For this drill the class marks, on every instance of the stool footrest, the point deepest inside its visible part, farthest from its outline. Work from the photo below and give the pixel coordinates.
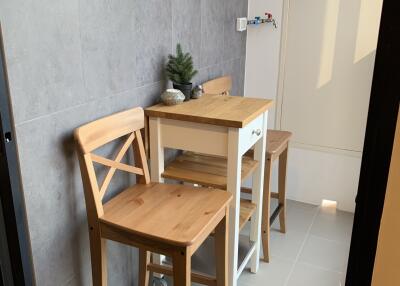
(276, 212)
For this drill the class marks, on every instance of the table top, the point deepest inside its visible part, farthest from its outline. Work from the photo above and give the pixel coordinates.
(222, 110)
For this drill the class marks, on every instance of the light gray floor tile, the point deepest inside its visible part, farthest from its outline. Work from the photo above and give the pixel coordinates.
(299, 217)
(286, 245)
(324, 253)
(274, 273)
(333, 225)
(308, 275)
(313, 252)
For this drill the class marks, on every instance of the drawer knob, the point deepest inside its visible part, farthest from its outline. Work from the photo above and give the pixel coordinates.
(257, 132)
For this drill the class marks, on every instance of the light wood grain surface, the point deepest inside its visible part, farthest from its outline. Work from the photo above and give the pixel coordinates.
(228, 111)
(247, 209)
(221, 85)
(277, 141)
(205, 170)
(173, 213)
(99, 132)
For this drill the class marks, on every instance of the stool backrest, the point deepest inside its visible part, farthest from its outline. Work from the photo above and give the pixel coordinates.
(221, 85)
(98, 133)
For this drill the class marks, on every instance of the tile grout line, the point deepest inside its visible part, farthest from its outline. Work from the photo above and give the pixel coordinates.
(302, 246)
(80, 46)
(92, 100)
(85, 103)
(322, 268)
(69, 279)
(330, 240)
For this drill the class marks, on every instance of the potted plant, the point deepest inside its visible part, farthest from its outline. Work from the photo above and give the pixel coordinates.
(180, 71)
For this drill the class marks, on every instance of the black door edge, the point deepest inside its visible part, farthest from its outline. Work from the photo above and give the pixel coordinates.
(378, 145)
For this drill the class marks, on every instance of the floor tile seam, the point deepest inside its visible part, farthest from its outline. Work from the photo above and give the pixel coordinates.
(302, 247)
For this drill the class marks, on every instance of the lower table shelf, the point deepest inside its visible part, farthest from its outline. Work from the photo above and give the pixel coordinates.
(247, 209)
(205, 170)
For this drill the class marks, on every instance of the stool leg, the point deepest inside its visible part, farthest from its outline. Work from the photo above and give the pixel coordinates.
(221, 250)
(266, 209)
(98, 253)
(144, 260)
(282, 189)
(181, 268)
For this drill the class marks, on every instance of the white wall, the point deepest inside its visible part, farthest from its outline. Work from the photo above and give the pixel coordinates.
(321, 88)
(314, 176)
(262, 53)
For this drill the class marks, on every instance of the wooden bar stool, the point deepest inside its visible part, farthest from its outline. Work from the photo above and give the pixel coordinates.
(173, 220)
(221, 85)
(210, 171)
(277, 148)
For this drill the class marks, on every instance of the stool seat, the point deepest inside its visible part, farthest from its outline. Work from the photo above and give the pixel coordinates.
(276, 139)
(176, 214)
(210, 171)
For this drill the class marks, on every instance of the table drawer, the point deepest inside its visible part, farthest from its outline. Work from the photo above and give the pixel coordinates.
(251, 133)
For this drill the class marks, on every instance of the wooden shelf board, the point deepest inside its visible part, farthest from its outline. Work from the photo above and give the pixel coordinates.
(205, 170)
(247, 209)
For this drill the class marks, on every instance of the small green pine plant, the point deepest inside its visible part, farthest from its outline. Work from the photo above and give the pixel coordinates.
(179, 68)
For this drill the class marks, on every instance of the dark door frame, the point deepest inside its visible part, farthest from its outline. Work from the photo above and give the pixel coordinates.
(15, 249)
(378, 145)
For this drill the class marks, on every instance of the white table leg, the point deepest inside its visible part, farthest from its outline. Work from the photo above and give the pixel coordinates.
(233, 186)
(257, 197)
(156, 167)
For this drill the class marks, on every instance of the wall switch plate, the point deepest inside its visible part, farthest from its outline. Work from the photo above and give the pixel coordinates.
(241, 24)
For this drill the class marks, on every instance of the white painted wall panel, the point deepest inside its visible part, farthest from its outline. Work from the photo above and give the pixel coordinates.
(328, 71)
(262, 53)
(329, 57)
(314, 176)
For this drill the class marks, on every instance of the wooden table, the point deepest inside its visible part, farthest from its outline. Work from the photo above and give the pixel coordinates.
(223, 126)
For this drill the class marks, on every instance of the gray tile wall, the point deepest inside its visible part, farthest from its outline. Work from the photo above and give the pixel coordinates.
(74, 61)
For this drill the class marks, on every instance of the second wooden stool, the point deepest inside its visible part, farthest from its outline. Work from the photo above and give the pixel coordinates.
(277, 148)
